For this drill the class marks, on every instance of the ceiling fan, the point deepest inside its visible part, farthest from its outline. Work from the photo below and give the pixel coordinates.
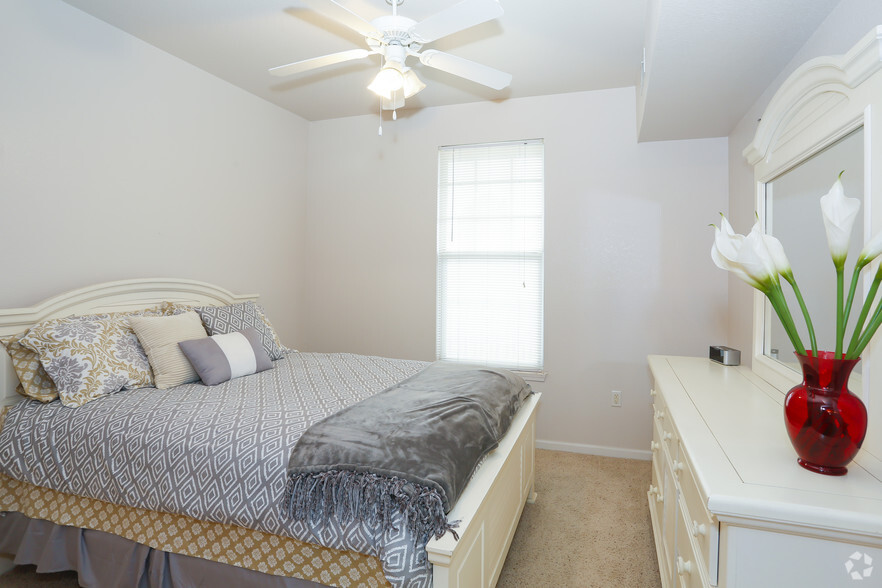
(397, 37)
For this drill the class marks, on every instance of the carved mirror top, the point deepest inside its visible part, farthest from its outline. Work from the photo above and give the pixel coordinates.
(800, 115)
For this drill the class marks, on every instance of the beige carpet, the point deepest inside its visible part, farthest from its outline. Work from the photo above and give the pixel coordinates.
(589, 528)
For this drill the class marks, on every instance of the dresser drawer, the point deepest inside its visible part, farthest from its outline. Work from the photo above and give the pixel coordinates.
(656, 486)
(658, 462)
(656, 498)
(667, 433)
(656, 515)
(657, 400)
(700, 524)
(688, 568)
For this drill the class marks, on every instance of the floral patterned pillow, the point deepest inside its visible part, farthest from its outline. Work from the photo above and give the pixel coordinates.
(34, 381)
(90, 356)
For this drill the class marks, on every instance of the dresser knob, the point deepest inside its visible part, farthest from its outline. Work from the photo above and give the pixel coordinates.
(659, 414)
(652, 392)
(698, 529)
(667, 436)
(653, 445)
(683, 567)
(679, 467)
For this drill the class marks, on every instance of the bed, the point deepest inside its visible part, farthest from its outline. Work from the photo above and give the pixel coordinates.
(193, 544)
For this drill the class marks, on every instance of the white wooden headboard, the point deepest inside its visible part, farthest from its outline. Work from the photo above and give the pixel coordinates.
(107, 297)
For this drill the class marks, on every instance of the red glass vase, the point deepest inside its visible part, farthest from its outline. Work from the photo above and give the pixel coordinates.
(825, 421)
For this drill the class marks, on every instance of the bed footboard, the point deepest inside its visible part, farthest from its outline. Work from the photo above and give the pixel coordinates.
(489, 508)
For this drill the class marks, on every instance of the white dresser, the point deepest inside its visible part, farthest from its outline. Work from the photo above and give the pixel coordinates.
(730, 506)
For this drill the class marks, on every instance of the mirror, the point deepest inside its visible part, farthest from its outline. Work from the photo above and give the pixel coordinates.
(824, 118)
(793, 215)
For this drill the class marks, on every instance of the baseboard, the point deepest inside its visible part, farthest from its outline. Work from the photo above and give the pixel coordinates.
(595, 450)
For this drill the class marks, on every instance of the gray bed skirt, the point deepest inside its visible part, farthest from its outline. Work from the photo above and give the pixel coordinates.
(105, 560)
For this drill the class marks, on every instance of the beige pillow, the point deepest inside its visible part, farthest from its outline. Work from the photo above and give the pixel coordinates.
(35, 382)
(159, 336)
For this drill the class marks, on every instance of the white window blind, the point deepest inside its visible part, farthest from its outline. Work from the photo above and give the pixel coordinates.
(491, 249)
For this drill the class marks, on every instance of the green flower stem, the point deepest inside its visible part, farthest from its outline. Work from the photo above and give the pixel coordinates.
(862, 317)
(868, 334)
(805, 313)
(776, 297)
(850, 300)
(840, 324)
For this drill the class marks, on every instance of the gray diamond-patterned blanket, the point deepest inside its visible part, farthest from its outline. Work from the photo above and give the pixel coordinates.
(214, 453)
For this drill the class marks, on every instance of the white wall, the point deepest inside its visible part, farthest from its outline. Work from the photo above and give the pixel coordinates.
(848, 23)
(628, 269)
(118, 160)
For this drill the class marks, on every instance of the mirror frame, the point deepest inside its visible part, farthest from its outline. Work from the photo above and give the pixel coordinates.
(820, 103)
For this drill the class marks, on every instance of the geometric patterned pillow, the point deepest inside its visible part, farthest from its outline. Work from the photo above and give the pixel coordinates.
(34, 381)
(178, 308)
(269, 326)
(220, 320)
(90, 356)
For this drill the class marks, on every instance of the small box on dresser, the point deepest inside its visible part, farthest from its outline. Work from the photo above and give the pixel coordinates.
(730, 507)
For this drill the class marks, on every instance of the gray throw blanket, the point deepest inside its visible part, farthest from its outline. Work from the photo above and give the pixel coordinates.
(411, 448)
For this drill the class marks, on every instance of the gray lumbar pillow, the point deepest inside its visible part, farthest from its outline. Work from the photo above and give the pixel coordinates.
(223, 357)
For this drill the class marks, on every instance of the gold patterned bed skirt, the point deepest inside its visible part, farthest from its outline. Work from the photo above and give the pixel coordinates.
(229, 544)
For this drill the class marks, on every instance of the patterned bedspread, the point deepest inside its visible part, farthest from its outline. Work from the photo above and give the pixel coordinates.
(212, 453)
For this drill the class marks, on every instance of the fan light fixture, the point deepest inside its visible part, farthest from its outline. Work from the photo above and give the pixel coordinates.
(394, 80)
(387, 81)
(412, 84)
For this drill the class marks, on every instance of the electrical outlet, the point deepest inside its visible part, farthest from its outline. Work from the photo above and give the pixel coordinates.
(616, 398)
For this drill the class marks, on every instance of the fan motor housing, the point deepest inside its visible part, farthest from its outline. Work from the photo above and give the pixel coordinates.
(395, 29)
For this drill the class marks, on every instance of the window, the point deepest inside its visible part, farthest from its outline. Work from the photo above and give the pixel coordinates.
(491, 249)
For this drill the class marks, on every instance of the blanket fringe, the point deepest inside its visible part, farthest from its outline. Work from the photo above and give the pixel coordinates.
(363, 496)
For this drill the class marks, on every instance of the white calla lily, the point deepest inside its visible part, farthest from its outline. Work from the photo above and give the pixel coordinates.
(746, 257)
(727, 240)
(751, 259)
(779, 258)
(755, 258)
(839, 212)
(871, 250)
(729, 265)
(724, 252)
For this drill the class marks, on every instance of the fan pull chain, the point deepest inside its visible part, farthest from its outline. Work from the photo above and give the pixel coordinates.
(380, 132)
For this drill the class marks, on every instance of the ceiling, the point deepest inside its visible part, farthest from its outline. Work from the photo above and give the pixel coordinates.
(708, 60)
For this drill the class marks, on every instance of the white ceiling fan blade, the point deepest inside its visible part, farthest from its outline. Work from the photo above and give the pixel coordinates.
(317, 62)
(464, 68)
(344, 16)
(458, 17)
